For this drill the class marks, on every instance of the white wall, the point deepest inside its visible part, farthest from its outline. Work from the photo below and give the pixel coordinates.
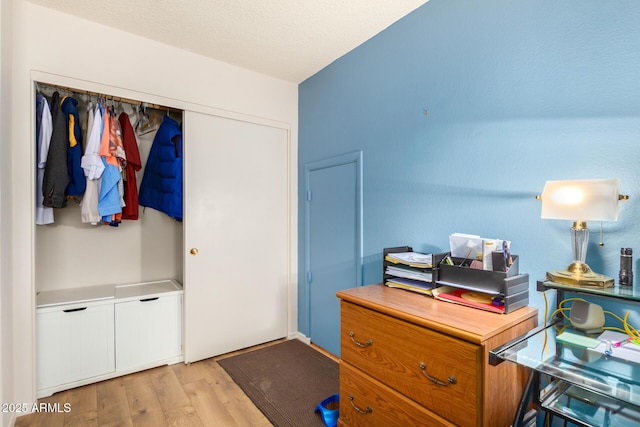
(72, 50)
(6, 333)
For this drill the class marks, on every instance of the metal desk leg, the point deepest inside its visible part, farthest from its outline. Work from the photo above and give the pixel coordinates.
(518, 421)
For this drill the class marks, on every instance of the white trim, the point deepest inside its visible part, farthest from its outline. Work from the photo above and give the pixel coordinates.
(300, 337)
(76, 83)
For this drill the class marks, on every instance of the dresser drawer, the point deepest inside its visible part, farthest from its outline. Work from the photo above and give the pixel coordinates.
(437, 371)
(368, 403)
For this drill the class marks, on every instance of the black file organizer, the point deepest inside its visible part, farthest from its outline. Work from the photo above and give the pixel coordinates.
(512, 285)
(436, 258)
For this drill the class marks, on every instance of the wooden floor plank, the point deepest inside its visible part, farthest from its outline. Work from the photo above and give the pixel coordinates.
(84, 419)
(211, 410)
(113, 407)
(188, 373)
(233, 397)
(83, 403)
(184, 416)
(149, 419)
(144, 406)
(168, 389)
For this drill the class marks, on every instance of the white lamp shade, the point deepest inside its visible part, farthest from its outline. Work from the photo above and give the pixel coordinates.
(581, 200)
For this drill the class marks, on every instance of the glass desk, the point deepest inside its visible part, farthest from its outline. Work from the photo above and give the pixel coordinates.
(579, 384)
(619, 292)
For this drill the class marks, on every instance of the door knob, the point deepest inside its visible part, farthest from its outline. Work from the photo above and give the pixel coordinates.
(194, 251)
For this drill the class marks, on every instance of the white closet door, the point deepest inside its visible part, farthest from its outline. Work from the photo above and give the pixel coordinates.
(236, 218)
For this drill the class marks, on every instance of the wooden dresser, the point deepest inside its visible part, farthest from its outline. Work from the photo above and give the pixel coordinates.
(410, 360)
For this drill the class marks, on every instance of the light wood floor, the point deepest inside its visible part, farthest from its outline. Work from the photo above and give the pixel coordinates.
(198, 394)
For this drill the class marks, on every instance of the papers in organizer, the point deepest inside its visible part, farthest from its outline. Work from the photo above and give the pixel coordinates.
(465, 245)
(412, 259)
(409, 273)
(410, 285)
(471, 246)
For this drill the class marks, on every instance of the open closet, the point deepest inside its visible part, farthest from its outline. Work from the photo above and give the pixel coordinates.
(108, 284)
(71, 253)
(117, 296)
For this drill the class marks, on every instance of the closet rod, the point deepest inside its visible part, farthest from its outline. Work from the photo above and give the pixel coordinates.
(110, 97)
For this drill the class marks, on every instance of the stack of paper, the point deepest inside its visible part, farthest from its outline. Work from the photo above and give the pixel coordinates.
(410, 271)
(410, 285)
(412, 259)
(471, 246)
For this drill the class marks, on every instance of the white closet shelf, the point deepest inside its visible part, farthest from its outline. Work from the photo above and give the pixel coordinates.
(146, 289)
(74, 295)
(105, 292)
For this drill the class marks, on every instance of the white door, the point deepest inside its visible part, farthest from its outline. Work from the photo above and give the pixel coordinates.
(236, 223)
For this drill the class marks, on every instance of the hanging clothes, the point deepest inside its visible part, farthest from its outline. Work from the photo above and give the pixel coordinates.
(91, 161)
(130, 144)
(161, 186)
(113, 157)
(56, 175)
(44, 215)
(93, 167)
(77, 182)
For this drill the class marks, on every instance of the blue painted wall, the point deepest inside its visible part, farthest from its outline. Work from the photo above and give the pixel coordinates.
(517, 93)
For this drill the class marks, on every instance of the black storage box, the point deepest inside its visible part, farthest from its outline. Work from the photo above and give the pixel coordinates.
(435, 259)
(512, 285)
(491, 282)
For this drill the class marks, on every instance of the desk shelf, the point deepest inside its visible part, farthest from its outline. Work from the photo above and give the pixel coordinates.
(618, 292)
(578, 384)
(585, 408)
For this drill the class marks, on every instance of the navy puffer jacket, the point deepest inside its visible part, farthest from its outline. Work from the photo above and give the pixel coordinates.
(77, 181)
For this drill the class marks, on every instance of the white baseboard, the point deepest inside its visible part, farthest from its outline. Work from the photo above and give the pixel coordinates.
(299, 336)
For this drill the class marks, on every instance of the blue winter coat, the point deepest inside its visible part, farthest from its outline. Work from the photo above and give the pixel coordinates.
(77, 181)
(161, 186)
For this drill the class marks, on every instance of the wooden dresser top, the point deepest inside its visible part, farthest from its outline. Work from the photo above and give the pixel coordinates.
(467, 323)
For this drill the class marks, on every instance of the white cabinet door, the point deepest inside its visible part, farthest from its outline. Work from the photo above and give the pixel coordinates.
(148, 331)
(74, 342)
(237, 219)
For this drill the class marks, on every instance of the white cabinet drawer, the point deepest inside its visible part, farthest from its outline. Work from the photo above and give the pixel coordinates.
(148, 330)
(91, 334)
(74, 341)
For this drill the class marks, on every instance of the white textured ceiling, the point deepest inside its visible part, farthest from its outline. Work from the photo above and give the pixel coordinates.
(286, 39)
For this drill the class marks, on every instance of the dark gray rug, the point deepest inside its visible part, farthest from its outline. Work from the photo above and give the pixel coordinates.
(286, 381)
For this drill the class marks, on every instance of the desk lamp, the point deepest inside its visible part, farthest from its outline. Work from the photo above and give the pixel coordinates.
(581, 201)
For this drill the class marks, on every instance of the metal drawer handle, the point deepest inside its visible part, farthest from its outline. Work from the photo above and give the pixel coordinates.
(359, 344)
(149, 299)
(362, 411)
(73, 310)
(452, 379)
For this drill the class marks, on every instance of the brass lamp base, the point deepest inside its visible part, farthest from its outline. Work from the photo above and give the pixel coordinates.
(580, 274)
